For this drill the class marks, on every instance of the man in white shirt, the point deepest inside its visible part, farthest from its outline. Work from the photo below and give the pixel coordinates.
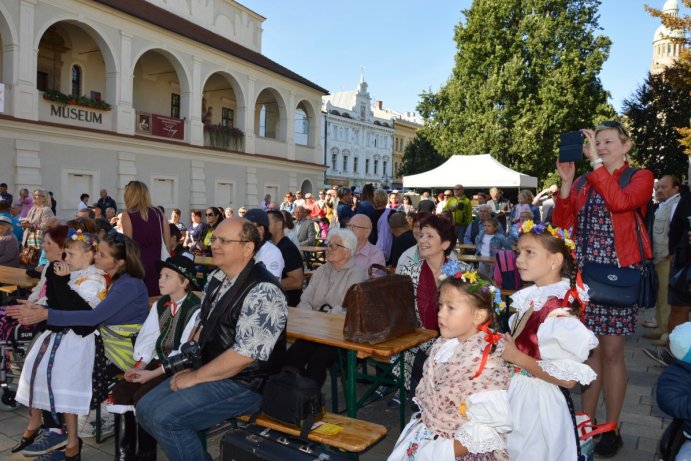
(268, 253)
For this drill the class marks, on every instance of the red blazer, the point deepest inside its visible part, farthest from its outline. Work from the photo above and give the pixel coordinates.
(622, 203)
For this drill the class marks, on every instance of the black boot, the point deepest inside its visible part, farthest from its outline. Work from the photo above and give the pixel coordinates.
(146, 448)
(125, 436)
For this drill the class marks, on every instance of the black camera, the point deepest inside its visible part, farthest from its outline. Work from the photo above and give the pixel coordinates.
(190, 356)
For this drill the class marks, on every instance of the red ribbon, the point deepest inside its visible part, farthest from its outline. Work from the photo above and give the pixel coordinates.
(173, 307)
(491, 339)
(574, 292)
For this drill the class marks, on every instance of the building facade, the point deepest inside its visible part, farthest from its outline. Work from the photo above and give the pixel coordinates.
(173, 93)
(358, 144)
(667, 44)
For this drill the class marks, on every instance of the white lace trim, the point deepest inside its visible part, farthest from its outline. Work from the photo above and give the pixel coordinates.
(568, 370)
(479, 446)
(522, 299)
(120, 409)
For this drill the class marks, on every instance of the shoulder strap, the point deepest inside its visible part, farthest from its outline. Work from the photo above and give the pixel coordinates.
(581, 182)
(626, 176)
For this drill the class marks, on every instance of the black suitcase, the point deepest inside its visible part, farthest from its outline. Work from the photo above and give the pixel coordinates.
(250, 442)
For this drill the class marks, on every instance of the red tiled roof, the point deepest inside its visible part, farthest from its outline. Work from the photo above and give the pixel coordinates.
(157, 16)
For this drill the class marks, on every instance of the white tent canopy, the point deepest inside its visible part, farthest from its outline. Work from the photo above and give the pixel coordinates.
(472, 171)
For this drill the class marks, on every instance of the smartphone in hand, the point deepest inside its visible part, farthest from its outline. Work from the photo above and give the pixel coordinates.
(571, 147)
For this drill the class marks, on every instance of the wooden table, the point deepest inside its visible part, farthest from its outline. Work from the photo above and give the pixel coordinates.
(204, 260)
(324, 328)
(463, 247)
(16, 276)
(475, 258)
(313, 254)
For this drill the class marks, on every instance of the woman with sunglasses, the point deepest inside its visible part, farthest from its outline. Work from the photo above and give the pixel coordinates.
(325, 293)
(213, 219)
(601, 212)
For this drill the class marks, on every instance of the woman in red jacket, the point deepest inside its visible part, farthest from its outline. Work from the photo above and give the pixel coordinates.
(608, 214)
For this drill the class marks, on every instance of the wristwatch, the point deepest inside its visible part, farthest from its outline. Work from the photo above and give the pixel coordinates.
(595, 162)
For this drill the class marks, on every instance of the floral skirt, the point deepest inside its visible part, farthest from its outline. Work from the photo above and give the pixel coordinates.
(610, 321)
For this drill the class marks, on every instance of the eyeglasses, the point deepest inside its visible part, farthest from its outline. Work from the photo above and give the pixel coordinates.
(614, 124)
(334, 246)
(210, 214)
(223, 241)
(447, 195)
(355, 226)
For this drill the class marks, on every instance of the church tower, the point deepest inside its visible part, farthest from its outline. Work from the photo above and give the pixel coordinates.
(667, 44)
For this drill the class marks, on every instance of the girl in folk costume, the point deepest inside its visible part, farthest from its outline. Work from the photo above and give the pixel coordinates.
(547, 345)
(464, 410)
(169, 324)
(57, 374)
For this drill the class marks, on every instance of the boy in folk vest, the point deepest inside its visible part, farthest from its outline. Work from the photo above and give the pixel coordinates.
(170, 324)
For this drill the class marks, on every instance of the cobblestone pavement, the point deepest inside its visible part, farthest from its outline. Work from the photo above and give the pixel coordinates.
(642, 422)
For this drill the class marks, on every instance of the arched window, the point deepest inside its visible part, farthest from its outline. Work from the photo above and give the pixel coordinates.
(76, 80)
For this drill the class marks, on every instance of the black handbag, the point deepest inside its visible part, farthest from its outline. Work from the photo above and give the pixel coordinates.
(611, 285)
(293, 399)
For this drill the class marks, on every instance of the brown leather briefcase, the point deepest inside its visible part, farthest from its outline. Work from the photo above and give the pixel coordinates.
(379, 308)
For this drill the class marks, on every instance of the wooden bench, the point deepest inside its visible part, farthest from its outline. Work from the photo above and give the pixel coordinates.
(355, 437)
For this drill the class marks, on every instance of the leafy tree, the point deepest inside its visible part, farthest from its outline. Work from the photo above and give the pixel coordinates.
(525, 71)
(683, 77)
(655, 113)
(419, 156)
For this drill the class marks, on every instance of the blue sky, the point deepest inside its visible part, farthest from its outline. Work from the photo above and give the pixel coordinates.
(407, 46)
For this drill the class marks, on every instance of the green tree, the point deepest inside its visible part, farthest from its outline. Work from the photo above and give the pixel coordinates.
(660, 106)
(419, 156)
(525, 71)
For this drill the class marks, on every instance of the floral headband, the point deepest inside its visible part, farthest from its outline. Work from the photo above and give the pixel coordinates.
(454, 270)
(89, 239)
(556, 232)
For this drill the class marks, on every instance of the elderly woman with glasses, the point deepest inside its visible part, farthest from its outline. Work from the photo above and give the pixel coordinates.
(607, 225)
(35, 220)
(325, 293)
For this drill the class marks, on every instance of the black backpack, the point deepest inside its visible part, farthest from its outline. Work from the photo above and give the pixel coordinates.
(624, 180)
(293, 399)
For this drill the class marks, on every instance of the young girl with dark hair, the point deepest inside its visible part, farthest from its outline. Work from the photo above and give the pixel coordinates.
(547, 346)
(119, 315)
(464, 410)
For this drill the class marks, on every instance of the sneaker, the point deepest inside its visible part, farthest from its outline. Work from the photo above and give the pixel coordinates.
(609, 444)
(395, 402)
(659, 354)
(48, 441)
(57, 455)
(381, 392)
(86, 425)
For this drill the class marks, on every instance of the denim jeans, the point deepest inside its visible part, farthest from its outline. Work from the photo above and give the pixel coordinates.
(173, 418)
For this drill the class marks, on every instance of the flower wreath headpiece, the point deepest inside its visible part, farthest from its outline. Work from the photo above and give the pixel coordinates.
(454, 270)
(89, 239)
(556, 232)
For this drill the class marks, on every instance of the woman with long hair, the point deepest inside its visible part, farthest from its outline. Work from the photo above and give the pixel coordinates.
(146, 225)
(124, 309)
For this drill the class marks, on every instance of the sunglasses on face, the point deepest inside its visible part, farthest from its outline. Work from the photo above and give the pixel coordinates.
(210, 214)
(615, 124)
